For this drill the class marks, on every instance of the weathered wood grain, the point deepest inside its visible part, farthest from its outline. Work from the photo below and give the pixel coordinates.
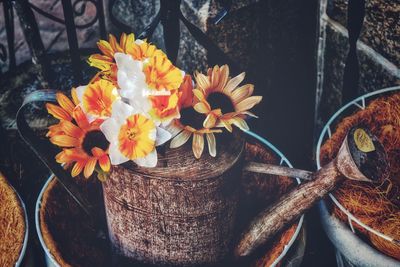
(181, 212)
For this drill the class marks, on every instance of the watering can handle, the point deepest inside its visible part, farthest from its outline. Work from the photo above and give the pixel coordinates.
(266, 168)
(287, 208)
(45, 151)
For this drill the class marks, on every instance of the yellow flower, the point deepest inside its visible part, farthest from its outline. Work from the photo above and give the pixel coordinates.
(161, 74)
(222, 101)
(164, 108)
(83, 143)
(137, 137)
(97, 98)
(139, 50)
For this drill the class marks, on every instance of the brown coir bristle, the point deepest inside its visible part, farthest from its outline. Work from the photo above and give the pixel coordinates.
(12, 224)
(389, 227)
(377, 205)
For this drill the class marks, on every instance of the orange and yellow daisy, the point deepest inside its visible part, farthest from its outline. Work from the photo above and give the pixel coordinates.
(191, 124)
(83, 143)
(222, 101)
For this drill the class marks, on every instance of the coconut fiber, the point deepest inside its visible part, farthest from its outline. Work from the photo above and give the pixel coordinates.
(12, 224)
(376, 205)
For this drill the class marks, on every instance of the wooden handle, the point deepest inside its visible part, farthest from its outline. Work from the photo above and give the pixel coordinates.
(278, 170)
(287, 209)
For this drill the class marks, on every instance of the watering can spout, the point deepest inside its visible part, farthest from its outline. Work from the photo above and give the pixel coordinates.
(361, 157)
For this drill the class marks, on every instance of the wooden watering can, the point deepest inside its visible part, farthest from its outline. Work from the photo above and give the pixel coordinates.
(182, 212)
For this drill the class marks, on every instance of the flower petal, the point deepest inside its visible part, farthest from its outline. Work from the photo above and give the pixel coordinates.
(80, 118)
(173, 128)
(127, 63)
(233, 83)
(241, 123)
(121, 111)
(180, 139)
(71, 129)
(97, 152)
(198, 94)
(250, 114)
(65, 102)
(223, 77)
(248, 103)
(80, 90)
(202, 107)
(116, 157)
(242, 92)
(74, 96)
(202, 81)
(104, 163)
(149, 161)
(210, 120)
(89, 167)
(78, 167)
(212, 146)
(64, 141)
(226, 124)
(162, 136)
(57, 112)
(198, 145)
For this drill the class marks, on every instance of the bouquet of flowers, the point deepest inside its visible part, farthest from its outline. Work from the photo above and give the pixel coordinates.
(137, 101)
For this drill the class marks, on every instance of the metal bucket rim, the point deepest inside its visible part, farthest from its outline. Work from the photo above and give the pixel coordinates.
(37, 221)
(300, 223)
(283, 159)
(326, 131)
(25, 243)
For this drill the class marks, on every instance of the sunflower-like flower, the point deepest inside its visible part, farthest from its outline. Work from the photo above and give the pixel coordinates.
(97, 98)
(222, 101)
(138, 49)
(132, 136)
(83, 143)
(191, 124)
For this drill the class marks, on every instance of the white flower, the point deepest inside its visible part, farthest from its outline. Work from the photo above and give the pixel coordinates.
(132, 82)
(132, 136)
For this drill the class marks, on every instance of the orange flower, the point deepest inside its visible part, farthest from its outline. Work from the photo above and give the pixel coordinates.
(162, 74)
(82, 142)
(97, 98)
(222, 101)
(64, 109)
(164, 107)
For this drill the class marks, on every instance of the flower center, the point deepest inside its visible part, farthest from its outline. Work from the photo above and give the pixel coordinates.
(131, 133)
(190, 117)
(222, 101)
(93, 139)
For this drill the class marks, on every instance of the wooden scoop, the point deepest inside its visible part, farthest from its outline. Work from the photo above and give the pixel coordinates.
(361, 157)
